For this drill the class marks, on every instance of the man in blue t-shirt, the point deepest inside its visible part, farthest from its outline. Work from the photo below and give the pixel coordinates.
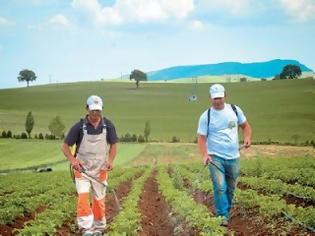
(219, 146)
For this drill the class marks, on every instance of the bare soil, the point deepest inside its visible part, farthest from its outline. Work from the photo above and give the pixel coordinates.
(18, 222)
(155, 212)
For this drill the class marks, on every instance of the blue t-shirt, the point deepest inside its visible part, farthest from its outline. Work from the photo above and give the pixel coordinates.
(222, 132)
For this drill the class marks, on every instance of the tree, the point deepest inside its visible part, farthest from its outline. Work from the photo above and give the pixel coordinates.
(26, 75)
(29, 123)
(290, 72)
(147, 131)
(138, 76)
(56, 127)
(243, 79)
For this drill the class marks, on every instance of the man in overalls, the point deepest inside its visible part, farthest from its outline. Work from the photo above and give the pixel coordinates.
(95, 138)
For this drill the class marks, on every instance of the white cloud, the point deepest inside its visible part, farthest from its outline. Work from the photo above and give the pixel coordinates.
(57, 21)
(4, 21)
(100, 15)
(300, 10)
(196, 25)
(135, 10)
(60, 19)
(231, 7)
(36, 2)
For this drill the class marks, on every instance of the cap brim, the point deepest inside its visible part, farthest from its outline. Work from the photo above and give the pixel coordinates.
(217, 95)
(95, 107)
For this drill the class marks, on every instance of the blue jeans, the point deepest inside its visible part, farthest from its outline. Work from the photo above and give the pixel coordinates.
(223, 185)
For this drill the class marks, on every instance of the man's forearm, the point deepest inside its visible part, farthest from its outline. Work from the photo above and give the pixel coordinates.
(112, 152)
(202, 145)
(67, 152)
(247, 131)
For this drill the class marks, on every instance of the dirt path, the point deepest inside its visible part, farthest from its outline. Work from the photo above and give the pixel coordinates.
(277, 151)
(169, 153)
(155, 219)
(111, 207)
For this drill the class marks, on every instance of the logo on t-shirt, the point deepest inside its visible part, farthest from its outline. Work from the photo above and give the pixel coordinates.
(231, 124)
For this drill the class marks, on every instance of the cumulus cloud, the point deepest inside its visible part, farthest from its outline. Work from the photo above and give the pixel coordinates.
(4, 21)
(124, 11)
(59, 19)
(100, 15)
(196, 25)
(301, 10)
(237, 8)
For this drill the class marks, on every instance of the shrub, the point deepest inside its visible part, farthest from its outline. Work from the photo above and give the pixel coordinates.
(9, 134)
(40, 136)
(195, 140)
(23, 135)
(141, 139)
(3, 134)
(134, 138)
(147, 131)
(127, 137)
(175, 139)
(56, 127)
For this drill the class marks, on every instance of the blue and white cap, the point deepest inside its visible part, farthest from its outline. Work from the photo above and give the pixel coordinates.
(217, 91)
(94, 103)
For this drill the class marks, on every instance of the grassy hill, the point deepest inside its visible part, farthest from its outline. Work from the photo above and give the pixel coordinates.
(277, 110)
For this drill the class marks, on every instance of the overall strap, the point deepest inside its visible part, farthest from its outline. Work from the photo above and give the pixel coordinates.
(234, 109)
(84, 127)
(208, 115)
(104, 126)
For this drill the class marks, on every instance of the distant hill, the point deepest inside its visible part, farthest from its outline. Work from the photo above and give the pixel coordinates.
(255, 70)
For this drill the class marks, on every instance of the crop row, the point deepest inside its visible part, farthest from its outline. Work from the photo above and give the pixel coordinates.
(196, 215)
(270, 207)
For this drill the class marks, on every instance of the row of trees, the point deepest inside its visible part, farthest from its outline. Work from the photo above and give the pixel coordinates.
(56, 126)
(141, 138)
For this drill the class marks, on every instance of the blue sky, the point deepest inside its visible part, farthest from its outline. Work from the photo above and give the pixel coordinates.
(79, 40)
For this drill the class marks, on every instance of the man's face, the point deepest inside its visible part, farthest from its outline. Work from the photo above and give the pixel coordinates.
(95, 114)
(218, 103)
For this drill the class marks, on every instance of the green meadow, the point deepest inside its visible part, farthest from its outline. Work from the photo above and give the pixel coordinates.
(28, 153)
(277, 110)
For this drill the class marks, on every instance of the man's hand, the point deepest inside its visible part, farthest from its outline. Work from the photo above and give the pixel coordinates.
(247, 142)
(109, 166)
(76, 164)
(207, 159)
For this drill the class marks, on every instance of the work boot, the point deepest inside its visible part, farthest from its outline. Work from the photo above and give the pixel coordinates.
(224, 222)
(97, 233)
(87, 233)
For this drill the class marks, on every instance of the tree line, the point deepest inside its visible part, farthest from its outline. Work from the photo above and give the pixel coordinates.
(55, 126)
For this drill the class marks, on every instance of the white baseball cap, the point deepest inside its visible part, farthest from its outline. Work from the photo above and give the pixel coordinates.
(217, 91)
(94, 103)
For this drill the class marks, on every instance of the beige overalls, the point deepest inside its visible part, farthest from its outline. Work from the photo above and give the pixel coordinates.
(93, 154)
